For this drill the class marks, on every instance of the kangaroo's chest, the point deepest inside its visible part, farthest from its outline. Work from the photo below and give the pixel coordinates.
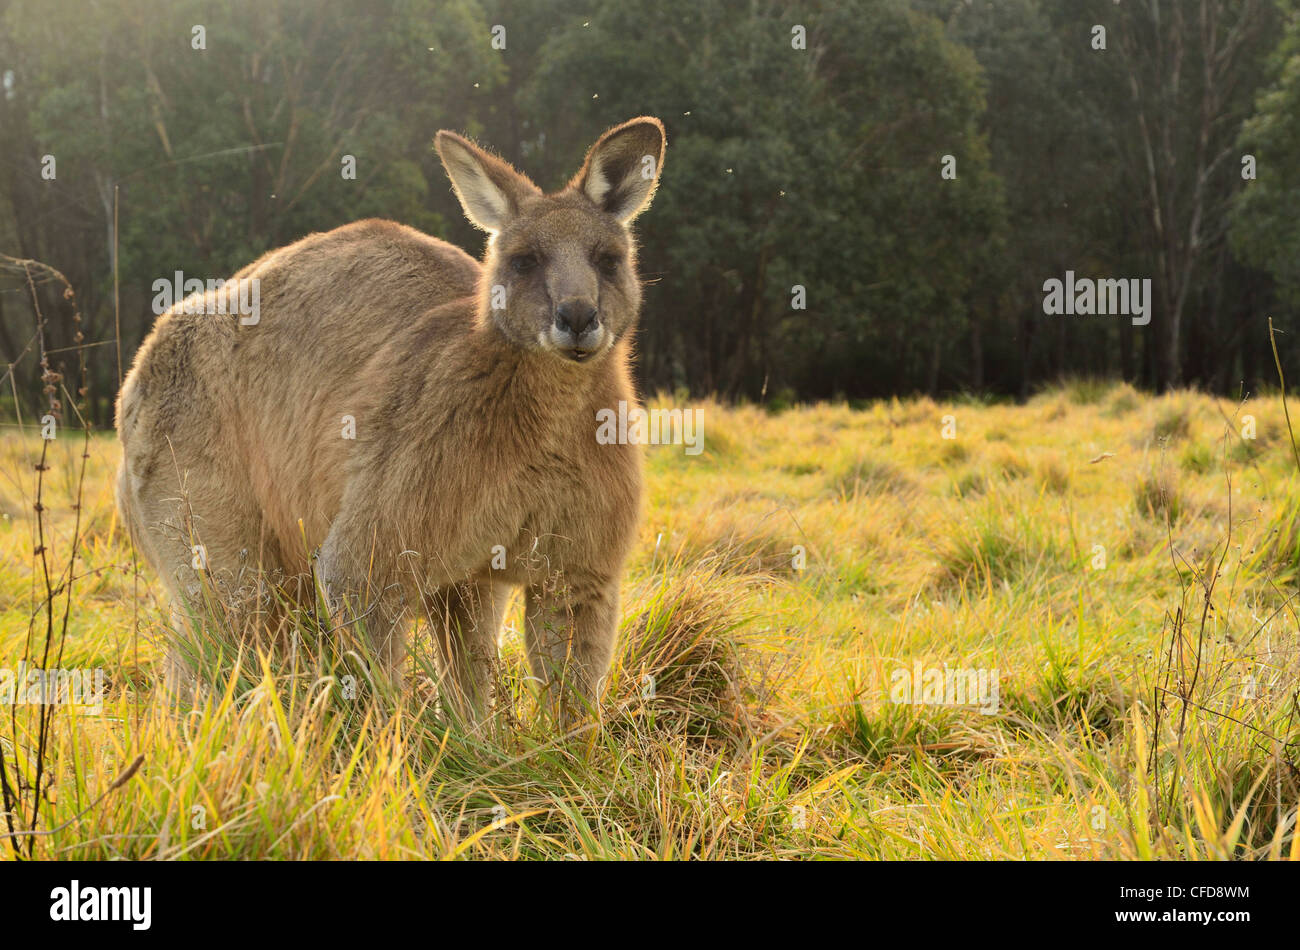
(551, 496)
(519, 509)
(559, 511)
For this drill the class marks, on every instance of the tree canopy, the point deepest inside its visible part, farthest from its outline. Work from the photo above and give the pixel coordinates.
(860, 197)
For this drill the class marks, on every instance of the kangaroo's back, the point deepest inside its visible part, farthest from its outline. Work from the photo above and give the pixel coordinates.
(254, 416)
(367, 277)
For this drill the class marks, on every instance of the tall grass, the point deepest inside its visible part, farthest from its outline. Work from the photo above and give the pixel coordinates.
(1147, 659)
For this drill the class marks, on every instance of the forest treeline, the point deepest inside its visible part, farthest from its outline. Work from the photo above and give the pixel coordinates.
(860, 197)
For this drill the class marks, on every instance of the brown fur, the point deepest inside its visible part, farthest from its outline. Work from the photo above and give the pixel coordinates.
(475, 427)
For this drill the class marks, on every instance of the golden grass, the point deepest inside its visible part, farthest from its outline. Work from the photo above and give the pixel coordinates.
(783, 576)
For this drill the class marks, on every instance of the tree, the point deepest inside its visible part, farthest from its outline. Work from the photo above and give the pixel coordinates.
(1266, 216)
(1184, 65)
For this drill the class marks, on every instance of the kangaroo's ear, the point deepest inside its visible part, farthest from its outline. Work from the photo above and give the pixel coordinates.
(489, 189)
(622, 169)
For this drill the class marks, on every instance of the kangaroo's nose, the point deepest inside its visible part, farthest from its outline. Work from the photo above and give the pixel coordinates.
(575, 316)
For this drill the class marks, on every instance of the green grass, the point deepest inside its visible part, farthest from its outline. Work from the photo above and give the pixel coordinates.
(782, 578)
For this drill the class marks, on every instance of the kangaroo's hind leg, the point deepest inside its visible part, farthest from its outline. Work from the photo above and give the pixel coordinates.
(465, 620)
(202, 534)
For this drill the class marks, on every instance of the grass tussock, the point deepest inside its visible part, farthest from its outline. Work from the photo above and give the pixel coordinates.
(682, 670)
(1173, 424)
(996, 547)
(868, 475)
(1123, 399)
(1088, 391)
(1157, 495)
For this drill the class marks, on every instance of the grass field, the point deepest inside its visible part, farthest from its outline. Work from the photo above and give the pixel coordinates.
(1066, 546)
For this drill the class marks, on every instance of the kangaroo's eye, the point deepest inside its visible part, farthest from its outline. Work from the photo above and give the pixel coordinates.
(523, 263)
(608, 264)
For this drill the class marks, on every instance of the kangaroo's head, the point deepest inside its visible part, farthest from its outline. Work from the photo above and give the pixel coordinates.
(561, 268)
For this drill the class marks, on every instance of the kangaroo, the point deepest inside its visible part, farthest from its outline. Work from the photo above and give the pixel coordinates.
(420, 423)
